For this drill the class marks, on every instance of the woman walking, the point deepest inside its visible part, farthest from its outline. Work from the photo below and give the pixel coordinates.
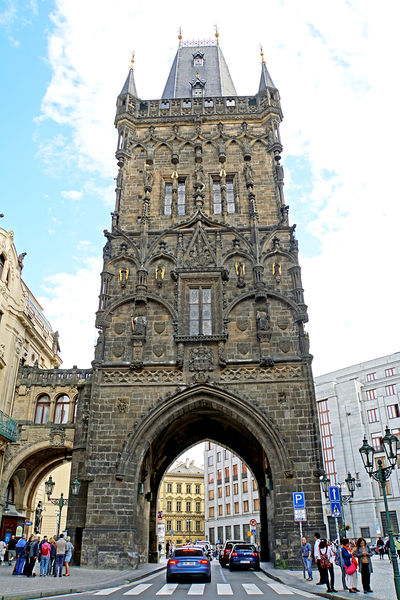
(364, 554)
(350, 565)
(380, 544)
(326, 563)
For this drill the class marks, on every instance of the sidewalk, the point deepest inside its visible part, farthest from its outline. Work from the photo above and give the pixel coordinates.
(80, 580)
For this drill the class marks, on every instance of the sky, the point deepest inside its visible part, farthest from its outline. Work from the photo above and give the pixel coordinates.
(64, 63)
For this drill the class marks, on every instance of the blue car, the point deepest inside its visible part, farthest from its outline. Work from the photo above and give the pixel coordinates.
(188, 562)
(244, 556)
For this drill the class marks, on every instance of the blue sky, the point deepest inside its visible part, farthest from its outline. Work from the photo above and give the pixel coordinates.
(64, 63)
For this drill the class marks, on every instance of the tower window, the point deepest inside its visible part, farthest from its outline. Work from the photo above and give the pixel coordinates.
(230, 196)
(197, 91)
(217, 197)
(200, 317)
(198, 61)
(168, 199)
(42, 410)
(181, 197)
(62, 410)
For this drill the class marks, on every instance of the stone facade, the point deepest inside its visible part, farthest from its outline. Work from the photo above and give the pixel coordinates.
(201, 325)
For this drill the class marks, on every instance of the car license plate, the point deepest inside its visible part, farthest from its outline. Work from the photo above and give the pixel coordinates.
(188, 564)
(245, 561)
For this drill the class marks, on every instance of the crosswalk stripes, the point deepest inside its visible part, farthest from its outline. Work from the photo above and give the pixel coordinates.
(167, 589)
(224, 589)
(196, 589)
(107, 591)
(301, 593)
(251, 589)
(280, 589)
(142, 587)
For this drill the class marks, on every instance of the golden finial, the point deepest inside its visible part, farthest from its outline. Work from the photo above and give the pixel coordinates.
(216, 34)
(180, 36)
(262, 54)
(132, 60)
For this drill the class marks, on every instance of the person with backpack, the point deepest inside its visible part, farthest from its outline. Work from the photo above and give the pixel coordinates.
(45, 558)
(327, 556)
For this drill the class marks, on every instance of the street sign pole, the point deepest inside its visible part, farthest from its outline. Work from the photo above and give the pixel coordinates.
(301, 543)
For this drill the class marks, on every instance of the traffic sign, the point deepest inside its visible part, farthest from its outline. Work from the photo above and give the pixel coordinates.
(335, 509)
(253, 523)
(27, 523)
(334, 493)
(300, 515)
(299, 500)
(254, 532)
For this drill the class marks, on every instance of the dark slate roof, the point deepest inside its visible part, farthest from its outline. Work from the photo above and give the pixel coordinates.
(129, 85)
(214, 73)
(265, 80)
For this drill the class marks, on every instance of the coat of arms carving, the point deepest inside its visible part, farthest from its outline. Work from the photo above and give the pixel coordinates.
(201, 359)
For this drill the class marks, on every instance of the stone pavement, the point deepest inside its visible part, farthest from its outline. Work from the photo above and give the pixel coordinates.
(81, 580)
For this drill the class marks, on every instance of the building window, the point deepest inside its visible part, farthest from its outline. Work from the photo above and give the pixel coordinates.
(168, 199)
(211, 494)
(200, 319)
(220, 492)
(188, 488)
(371, 376)
(244, 469)
(169, 526)
(226, 473)
(75, 409)
(179, 506)
(376, 441)
(197, 488)
(220, 510)
(393, 411)
(210, 478)
(62, 410)
(197, 91)
(227, 509)
(198, 507)
(217, 197)
(210, 461)
(169, 488)
(218, 456)
(245, 486)
(235, 469)
(169, 506)
(389, 372)
(326, 439)
(236, 507)
(365, 532)
(179, 525)
(219, 476)
(371, 394)
(390, 390)
(179, 488)
(181, 197)
(256, 504)
(236, 532)
(227, 490)
(226, 454)
(230, 196)
(245, 506)
(255, 486)
(373, 415)
(42, 410)
(235, 488)
(188, 507)
(198, 526)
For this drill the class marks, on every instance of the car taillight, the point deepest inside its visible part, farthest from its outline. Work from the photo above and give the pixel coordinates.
(234, 554)
(255, 553)
(172, 562)
(203, 562)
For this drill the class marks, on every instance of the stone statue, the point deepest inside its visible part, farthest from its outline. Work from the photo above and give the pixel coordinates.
(38, 517)
(139, 325)
(199, 178)
(248, 174)
(21, 260)
(56, 344)
(262, 320)
(148, 179)
(98, 352)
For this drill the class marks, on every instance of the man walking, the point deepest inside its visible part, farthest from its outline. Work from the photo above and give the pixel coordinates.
(21, 556)
(317, 557)
(306, 556)
(61, 544)
(11, 549)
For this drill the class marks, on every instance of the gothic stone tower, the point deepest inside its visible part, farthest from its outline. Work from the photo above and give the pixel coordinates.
(201, 315)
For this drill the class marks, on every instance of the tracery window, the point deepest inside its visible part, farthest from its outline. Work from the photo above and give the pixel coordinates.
(200, 315)
(42, 410)
(181, 197)
(62, 410)
(168, 199)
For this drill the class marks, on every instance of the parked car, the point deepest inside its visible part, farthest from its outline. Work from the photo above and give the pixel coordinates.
(244, 556)
(226, 550)
(188, 562)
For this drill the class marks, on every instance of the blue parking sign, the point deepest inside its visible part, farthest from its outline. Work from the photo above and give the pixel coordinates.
(299, 500)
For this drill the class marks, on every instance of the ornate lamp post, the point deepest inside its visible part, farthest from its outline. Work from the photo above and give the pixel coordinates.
(391, 446)
(61, 501)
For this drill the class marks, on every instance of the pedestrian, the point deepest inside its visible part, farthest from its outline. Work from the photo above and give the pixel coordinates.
(397, 545)
(32, 555)
(327, 556)
(159, 549)
(350, 565)
(364, 553)
(20, 555)
(306, 554)
(167, 545)
(380, 544)
(60, 555)
(387, 548)
(69, 548)
(12, 542)
(3, 548)
(45, 549)
(340, 563)
(52, 561)
(317, 556)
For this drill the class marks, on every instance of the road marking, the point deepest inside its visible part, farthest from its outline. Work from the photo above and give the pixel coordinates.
(167, 589)
(224, 589)
(251, 589)
(301, 593)
(280, 589)
(145, 579)
(138, 589)
(262, 576)
(196, 589)
(108, 591)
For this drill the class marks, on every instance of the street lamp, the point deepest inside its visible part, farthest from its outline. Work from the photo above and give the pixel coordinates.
(391, 446)
(61, 501)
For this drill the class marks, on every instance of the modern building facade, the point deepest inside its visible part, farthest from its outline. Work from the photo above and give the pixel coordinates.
(353, 402)
(181, 504)
(231, 497)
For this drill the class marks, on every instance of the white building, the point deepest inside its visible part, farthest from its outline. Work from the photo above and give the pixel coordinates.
(354, 402)
(231, 496)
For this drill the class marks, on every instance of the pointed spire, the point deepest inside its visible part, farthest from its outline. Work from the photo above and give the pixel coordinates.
(265, 80)
(129, 85)
(216, 34)
(180, 36)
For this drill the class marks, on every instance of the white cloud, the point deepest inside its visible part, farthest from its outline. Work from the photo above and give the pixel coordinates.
(71, 194)
(332, 64)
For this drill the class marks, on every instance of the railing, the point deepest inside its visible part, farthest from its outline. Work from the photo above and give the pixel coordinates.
(36, 376)
(8, 427)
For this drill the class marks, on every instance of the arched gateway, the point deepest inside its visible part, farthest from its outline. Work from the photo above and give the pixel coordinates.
(201, 315)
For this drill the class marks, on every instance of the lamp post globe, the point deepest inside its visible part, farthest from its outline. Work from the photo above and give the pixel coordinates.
(367, 454)
(49, 486)
(390, 444)
(351, 483)
(325, 483)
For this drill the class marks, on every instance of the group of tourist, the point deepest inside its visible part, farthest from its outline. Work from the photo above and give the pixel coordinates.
(350, 556)
(48, 556)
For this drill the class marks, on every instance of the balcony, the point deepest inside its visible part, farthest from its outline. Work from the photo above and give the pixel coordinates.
(8, 427)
